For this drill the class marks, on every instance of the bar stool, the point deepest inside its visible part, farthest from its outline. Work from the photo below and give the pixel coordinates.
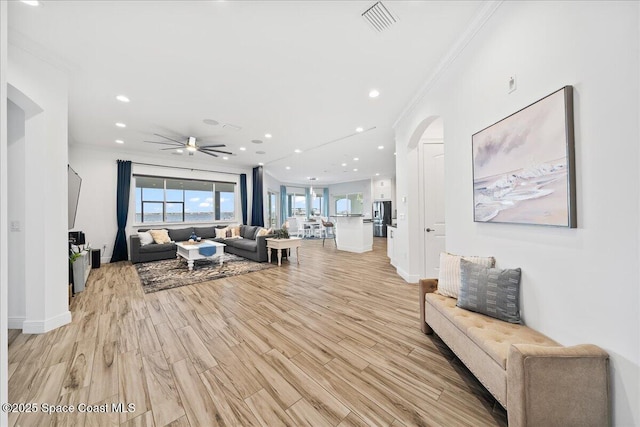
(329, 232)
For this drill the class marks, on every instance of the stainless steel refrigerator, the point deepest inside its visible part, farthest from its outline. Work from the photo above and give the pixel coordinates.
(381, 218)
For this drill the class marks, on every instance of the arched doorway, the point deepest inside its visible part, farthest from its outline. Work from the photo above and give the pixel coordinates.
(428, 140)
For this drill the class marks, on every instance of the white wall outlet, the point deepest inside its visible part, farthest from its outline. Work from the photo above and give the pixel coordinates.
(513, 83)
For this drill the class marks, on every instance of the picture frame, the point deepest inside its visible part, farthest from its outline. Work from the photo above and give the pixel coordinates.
(524, 165)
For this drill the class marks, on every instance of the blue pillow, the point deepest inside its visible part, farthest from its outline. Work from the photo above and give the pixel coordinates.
(490, 291)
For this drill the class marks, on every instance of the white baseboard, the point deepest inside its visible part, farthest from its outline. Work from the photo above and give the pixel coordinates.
(410, 278)
(356, 249)
(42, 326)
(15, 322)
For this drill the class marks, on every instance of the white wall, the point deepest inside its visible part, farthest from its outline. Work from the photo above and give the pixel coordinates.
(96, 215)
(16, 213)
(4, 277)
(45, 220)
(579, 285)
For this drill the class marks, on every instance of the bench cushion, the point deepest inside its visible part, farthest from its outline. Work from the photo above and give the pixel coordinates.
(493, 336)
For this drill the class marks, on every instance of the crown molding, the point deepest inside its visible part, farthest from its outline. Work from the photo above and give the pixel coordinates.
(27, 44)
(478, 22)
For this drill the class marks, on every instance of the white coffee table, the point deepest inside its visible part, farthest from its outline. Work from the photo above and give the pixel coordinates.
(191, 251)
(280, 244)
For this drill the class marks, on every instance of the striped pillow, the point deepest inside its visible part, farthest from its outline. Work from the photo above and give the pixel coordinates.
(449, 274)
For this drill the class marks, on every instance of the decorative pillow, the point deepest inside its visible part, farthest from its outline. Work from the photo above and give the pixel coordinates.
(160, 236)
(221, 233)
(235, 231)
(262, 232)
(145, 238)
(449, 273)
(490, 291)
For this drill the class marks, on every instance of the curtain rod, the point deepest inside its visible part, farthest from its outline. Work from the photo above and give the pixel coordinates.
(178, 167)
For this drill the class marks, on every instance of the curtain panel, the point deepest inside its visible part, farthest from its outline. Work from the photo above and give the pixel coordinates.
(120, 250)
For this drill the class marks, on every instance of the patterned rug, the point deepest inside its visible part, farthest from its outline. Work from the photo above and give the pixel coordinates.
(172, 273)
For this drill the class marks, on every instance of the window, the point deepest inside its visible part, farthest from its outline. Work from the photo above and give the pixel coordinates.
(174, 200)
(297, 204)
(349, 204)
(316, 205)
(272, 210)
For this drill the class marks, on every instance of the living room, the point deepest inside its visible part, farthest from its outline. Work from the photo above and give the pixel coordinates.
(545, 46)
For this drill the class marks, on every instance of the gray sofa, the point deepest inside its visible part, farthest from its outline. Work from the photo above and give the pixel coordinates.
(250, 246)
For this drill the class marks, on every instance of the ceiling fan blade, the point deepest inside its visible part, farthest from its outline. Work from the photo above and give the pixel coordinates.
(211, 154)
(171, 148)
(206, 150)
(179, 144)
(170, 139)
(212, 146)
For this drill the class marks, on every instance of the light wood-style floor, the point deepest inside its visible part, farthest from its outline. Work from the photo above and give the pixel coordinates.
(334, 341)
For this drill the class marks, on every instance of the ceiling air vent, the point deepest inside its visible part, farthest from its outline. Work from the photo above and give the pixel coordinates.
(231, 127)
(379, 17)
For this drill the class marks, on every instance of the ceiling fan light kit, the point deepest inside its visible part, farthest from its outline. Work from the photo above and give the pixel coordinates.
(190, 145)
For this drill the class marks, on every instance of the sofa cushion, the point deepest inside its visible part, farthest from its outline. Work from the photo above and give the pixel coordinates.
(205, 232)
(145, 238)
(160, 236)
(449, 272)
(490, 291)
(157, 248)
(249, 231)
(244, 244)
(493, 336)
(180, 234)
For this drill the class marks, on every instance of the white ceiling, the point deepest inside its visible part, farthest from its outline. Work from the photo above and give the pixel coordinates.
(300, 70)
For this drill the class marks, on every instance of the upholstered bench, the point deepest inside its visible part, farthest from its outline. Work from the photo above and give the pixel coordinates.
(538, 381)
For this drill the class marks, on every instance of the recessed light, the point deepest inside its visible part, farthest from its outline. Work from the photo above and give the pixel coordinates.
(210, 122)
(243, 149)
(256, 141)
(344, 164)
(225, 158)
(380, 147)
(267, 135)
(179, 150)
(31, 2)
(297, 151)
(121, 125)
(288, 168)
(355, 159)
(260, 164)
(122, 98)
(394, 153)
(119, 141)
(359, 129)
(355, 170)
(373, 93)
(377, 174)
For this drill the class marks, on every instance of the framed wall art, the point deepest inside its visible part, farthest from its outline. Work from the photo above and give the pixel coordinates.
(524, 165)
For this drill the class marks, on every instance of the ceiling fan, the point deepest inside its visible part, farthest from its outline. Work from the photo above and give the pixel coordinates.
(190, 145)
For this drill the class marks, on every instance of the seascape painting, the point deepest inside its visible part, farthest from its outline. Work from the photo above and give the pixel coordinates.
(523, 166)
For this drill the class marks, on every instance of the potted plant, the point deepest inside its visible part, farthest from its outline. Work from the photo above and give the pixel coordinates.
(282, 233)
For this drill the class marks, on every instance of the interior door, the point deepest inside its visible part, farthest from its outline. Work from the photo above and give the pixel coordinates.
(435, 229)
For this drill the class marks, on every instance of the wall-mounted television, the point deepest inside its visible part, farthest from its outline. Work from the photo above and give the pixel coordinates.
(74, 182)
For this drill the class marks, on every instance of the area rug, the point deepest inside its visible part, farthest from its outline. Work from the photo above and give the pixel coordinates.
(172, 273)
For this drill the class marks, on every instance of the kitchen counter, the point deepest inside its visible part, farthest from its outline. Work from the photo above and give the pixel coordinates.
(353, 233)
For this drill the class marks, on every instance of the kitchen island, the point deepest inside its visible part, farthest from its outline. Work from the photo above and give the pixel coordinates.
(354, 233)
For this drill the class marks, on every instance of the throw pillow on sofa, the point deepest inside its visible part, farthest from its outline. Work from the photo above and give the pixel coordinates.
(490, 291)
(221, 233)
(449, 273)
(145, 238)
(160, 236)
(263, 232)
